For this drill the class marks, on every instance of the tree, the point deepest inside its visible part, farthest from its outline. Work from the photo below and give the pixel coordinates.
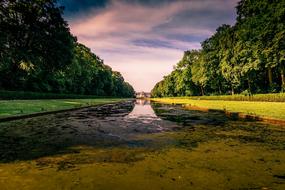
(263, 26)
(35, 41)
(38, 53)
(183, 75)
(247, 57)
(199, 73)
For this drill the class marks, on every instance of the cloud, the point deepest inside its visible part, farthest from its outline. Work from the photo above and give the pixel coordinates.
(144, 39)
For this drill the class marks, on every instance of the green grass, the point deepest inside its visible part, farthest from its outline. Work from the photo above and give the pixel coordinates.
(24, 107)
(265, 109)
(277, 97)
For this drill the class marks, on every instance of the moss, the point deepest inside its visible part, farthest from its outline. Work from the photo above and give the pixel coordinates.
(215, 165)
(228, 155)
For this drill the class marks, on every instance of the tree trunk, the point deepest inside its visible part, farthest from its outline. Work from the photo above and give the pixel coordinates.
(12, 76)
(202, 90)
(249, 86)
(220, 89)
(270, 80)
(233, 90)
(282, 80)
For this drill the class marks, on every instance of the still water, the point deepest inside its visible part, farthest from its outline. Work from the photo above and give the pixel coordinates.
(140, 145)
(142, 110)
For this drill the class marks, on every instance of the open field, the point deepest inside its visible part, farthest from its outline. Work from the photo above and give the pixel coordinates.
(265, 109)
(23, 107)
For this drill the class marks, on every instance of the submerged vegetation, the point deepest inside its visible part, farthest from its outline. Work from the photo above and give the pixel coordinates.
(90, 150)
(246, 58)
(38, 53)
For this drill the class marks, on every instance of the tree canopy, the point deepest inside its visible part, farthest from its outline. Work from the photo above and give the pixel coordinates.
(38, 53)
(248, 57)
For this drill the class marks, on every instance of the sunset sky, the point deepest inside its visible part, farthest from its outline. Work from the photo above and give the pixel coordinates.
(144, 39)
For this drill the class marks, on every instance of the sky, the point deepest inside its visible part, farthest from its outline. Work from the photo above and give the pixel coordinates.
(144, 39)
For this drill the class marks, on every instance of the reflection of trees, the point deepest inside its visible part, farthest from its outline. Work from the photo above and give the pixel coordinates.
(155, 106)
(113, 110)
(142, 102)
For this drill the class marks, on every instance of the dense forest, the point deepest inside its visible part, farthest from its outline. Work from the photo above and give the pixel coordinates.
(38, 53)
(246, 58)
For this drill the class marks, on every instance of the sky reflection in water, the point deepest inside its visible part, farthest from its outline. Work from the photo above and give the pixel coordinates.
(143, 111)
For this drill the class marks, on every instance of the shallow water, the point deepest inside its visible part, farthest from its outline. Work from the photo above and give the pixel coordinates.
(140, 145)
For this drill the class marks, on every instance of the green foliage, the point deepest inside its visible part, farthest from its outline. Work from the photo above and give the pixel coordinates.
(38, 53)
(35, 41)
(249, 56)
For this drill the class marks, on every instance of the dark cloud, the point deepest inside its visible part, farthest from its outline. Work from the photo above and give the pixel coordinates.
(75, 7)
(79, 6)
(152, 43)
(186, 37)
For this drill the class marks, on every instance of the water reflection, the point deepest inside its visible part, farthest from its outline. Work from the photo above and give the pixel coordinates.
(143, 111)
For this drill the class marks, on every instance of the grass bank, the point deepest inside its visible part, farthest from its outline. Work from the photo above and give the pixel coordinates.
(274, 110)
(276, 97)
(10, 108)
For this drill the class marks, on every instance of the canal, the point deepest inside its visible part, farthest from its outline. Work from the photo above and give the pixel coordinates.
(141, 145)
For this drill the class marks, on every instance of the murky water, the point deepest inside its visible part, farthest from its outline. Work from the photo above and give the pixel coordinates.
(140, 145)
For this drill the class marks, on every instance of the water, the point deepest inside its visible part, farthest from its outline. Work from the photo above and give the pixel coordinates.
(143, 111)
(140, 145)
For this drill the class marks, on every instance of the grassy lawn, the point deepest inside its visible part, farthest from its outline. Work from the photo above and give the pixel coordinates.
(267, 109)
(276, 97)
(23, 107)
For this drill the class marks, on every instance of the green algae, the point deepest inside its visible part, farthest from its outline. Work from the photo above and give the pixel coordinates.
(223, 154)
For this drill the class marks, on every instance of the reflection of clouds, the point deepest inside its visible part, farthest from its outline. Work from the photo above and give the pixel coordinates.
(141, 41)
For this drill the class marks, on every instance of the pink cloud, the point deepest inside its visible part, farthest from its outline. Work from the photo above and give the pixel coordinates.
(110, 33)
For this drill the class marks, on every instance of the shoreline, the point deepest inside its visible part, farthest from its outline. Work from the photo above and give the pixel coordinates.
(228, 113)
(37, 114)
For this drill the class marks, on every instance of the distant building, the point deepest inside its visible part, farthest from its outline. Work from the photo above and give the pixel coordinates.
(142, 94)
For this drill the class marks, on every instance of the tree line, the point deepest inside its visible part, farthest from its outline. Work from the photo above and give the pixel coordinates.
(246, 58)
(38, 53)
